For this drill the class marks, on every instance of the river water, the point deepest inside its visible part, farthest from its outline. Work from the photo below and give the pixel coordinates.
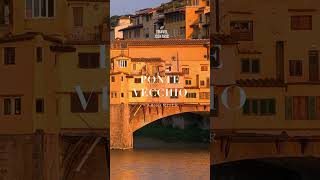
(158, 162)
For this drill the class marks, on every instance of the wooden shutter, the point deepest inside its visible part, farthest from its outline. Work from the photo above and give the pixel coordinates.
(288, 107)
(78, 16)
(313, 65)
(312, 108)
(300, 108)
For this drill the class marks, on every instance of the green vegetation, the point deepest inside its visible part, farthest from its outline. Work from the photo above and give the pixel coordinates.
(168, 134)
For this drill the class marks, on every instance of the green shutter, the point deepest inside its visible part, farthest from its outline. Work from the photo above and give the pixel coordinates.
(246, 107)
(312, 108)
(288, 106)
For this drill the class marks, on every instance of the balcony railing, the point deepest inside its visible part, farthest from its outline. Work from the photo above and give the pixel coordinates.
(83, 34)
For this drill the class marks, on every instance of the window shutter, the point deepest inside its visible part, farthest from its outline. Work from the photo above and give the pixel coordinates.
(78, 16)
(288, 107)
(246, 107)
(312, 107)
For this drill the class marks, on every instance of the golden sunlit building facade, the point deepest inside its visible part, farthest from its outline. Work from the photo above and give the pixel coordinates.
(143, 74)
(182, 19)
(48, 48)
(265, 80)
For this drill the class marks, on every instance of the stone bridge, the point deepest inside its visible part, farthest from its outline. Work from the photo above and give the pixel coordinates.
(271, 152)
(127, 118)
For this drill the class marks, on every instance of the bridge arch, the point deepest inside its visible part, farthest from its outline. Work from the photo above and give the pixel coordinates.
(127, 118)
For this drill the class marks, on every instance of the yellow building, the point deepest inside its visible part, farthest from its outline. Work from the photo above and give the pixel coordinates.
(269, 57)
(182, 20)
(48, 48)
(141, 73)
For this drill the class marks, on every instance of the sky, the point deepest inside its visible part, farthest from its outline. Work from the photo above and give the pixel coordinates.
(121, 7)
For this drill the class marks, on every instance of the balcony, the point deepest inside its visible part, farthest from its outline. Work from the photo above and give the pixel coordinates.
(86, 34)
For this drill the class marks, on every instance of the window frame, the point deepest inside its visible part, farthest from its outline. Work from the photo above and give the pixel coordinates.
(40, 16)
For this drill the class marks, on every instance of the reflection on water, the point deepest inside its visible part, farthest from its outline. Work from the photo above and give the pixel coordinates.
(161, 164)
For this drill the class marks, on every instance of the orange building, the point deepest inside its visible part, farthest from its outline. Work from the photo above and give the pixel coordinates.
(182, 19)
(48, 47)
(171, 64)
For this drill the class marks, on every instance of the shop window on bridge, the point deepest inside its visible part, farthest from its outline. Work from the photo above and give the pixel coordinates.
(89, 60)
(91, 99)
(302, 108)
(191, 95)
(137, 80)
(155, 94)
(259, 107)
(136, 94)
(174, 79)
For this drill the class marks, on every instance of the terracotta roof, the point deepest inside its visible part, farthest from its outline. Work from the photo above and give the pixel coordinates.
(132, 27)
(120, 56)
(267, 82)
(222, 39)
(146, 60)
(163, 42)
(62, 48)
(28, 36)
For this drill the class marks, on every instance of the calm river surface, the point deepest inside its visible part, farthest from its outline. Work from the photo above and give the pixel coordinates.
(156, 162)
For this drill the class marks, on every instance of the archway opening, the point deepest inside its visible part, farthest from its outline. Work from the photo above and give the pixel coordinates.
(284, 168)
(183, 130)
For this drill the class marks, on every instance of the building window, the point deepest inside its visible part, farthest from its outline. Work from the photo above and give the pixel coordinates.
(113, 94)
(17, 106)
(39, 54)
(134, 66)
(7, 106)
(204, 68)
(241, 30)
(174, 79)
(301, 22)
(136, 93)
(174, 95)
(188, 82)
(9, 55)
(185, 70)
(40, 8)
(123, 63)
(89, 60)
(91, 100)
(137, 80)
(113, 79)
(39, 105)
(302, 108)
(295, 67)
(250, 65)
(191, 95)
(122, 95)
(259, 107)
(204, 95)
(202, 83)
(78, 16)
(155, 94)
